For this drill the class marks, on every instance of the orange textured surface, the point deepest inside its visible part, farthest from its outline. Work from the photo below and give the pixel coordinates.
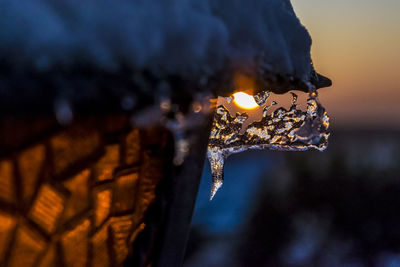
(7, 186)
(132, 148)
(105, 167)
(75, 245)
(49, 259)
(125, 186)
(102, 209)
(47, 208)
(30, 163)
(99, 247)
(70, 147)
(120, 228)
(7, 224)
(27, 248)
(80, 200)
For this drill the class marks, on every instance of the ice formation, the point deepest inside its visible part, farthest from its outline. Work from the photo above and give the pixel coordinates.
(236, 131)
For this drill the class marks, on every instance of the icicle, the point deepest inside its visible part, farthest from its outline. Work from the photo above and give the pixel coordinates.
(236, 130)
(217, 164)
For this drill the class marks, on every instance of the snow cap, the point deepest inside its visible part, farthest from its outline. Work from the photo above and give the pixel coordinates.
(177, 37)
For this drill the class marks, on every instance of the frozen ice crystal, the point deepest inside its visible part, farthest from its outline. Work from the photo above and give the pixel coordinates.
(285, 130)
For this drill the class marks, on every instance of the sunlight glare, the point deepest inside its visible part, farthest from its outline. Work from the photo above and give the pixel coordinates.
(244, 101)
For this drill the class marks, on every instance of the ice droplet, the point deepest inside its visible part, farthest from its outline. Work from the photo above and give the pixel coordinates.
(181, 124)
(63, 112)
(283, 130)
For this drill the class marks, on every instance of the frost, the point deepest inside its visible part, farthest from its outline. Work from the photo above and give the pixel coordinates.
(285, 130)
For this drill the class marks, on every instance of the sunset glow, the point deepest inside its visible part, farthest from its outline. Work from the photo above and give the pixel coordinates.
(244, 101)
(359, 52)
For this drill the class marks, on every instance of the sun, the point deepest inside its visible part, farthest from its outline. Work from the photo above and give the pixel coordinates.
(244, 101)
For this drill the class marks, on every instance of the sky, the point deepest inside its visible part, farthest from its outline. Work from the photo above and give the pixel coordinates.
(356, 43)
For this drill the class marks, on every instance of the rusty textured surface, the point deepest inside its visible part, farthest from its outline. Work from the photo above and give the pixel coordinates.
(7, 226)
(78, 196)
(30, 162)
(79, 200)
(27, 248)
(105, 167)
(47, 208)
(123, 188)
(71, 146)
(75, 244)
(7, 181)
(120, 230)
(102, 205)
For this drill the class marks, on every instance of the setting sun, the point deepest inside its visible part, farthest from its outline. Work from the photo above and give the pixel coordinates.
(244, 100)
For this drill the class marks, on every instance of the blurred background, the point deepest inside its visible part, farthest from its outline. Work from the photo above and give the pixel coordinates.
(340, 207)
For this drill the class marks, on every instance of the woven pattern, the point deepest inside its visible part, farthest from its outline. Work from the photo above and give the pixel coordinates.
(78, 197)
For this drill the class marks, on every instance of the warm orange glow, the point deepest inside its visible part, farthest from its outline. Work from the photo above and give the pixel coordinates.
(244, 101)
(244, 82)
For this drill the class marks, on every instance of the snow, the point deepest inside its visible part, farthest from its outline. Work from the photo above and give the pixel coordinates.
(189, 38)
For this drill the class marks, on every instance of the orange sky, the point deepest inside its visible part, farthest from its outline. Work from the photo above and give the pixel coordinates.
(357, 44)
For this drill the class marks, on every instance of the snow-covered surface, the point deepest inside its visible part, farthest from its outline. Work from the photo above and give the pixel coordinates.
(184, 37)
